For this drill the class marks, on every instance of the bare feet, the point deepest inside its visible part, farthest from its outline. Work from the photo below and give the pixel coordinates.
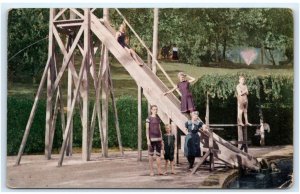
(151, 174)
(163, 173)
(248, 124)
(173, 172)
(241, 124)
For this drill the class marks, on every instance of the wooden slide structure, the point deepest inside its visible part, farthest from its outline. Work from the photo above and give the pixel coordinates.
(169, 105)
(152, 87)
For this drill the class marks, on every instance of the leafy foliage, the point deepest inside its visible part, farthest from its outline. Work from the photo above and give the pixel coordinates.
(269, 87)
(18, 114)
(26, 26)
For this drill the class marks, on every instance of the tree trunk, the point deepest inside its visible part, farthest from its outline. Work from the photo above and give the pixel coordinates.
(217, 49)
(155, 40)
(272, 57)
(224, 48)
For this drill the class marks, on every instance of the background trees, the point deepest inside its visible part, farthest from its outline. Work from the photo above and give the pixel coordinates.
(202, 35)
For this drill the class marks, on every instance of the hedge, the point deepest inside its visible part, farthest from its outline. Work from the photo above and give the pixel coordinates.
(277, 109)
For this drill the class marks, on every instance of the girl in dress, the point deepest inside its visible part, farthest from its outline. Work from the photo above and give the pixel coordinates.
(187, 103)
(154, 139)
(192, 139)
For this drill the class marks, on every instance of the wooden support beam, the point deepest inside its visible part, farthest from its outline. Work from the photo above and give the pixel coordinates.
(105, 91)
(59, 13)
(85, 87)
(155, 40)
(203, 158)
(50, 91)
(67, 130)
(104, 103)
(32, 113)
(175, 133)
(67, 58)
(140, 90)
(53, 123)
(232, 125)
(68, 21)
(114, 106)
(71, 74)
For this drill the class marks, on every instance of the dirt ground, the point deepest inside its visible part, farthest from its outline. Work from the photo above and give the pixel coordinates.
(118, 172)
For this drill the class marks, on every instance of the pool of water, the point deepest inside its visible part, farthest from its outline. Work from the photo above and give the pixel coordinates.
(265, 179)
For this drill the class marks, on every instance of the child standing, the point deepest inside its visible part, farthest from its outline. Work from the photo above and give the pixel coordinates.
(154, 138)
(169, 145)
(187, 103)
(242, 101)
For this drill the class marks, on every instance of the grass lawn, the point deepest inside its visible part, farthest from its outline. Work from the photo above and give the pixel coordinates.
(125, 85)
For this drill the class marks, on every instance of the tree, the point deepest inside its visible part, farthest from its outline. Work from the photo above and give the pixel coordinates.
(26, 26)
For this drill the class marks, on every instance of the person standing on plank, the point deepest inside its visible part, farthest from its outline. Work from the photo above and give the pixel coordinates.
(242, 101)
(187, 102)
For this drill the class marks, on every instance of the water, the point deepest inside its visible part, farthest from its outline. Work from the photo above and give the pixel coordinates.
(266, 179)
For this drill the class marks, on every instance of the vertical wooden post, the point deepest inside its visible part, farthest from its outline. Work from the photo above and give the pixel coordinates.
(175, 132)
(155, 40)
(240, 137)
(207, 110)
(69, 149)
(140, 90)
(105, 93)
(149, 65)
(262, 52)
(85, 88)
(210, 140)
(245, 139)
(49, 106)
(114, 106)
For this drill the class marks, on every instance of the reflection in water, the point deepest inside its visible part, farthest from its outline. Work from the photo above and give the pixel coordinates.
(266, 179)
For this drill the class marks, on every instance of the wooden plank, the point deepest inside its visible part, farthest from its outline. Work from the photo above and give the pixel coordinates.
(77, 13)
(139, 123)
(175, 133)
(155, 40)
(85, 87)
(60, 13)
(53, 123)
(104, 103)
(49, 105)
(105, 92)
(32, 113)
(232, 125)
(48, 114)
(98, 95)
(68, 21)
(69, 25)
(114, 106)
(203, 158)
(71, 74)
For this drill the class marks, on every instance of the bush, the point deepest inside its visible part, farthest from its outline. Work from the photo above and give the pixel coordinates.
(275, 94)
(18, 114)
